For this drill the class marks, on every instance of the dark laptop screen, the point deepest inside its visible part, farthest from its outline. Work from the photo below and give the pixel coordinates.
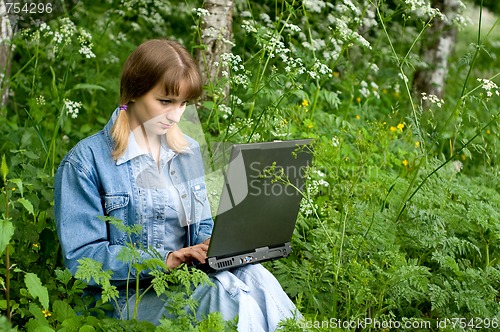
(258, 206)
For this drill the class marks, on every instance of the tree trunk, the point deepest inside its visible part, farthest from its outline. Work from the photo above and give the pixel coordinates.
(436, 51)
(5, 52)
(216, 37)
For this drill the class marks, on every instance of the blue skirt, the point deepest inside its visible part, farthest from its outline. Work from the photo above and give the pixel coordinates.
(251, 292)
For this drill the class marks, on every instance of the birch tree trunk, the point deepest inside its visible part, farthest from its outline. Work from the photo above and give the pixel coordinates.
(216, 37)
(5, 52)
(436, 51)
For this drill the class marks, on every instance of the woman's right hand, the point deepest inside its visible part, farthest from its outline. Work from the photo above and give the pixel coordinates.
(187, 255)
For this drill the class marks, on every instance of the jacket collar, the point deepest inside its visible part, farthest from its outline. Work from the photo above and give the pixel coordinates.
(107, 129)
(133, 150)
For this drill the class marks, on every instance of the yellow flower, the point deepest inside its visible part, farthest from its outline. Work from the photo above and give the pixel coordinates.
(336, 74)
(358, 100)
(13, 189)
(36, 245)
(46, 313)
(392, 128)
(308, 123)
(417, 144)
(285, 121)
(488, 131)
(401, 126)
(405, 163)
(305, 103)
(464, 157)
(358, 117)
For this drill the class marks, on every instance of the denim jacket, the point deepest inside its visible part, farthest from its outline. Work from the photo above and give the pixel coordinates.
(90, 184)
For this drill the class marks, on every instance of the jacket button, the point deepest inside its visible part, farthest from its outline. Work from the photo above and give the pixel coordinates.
(183, 196)
(172, 172)
(158, 245)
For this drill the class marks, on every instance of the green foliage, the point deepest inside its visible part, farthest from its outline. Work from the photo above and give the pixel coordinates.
(36, 289)
(7, 230)
(400, 212)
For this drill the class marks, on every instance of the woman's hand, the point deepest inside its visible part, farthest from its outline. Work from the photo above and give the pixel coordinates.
(187, 255)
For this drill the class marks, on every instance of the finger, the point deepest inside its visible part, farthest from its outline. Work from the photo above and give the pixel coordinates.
(202, 246)
(196, 253)
(179, 256)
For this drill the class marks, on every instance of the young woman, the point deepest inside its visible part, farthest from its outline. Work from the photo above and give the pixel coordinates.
(142, 170)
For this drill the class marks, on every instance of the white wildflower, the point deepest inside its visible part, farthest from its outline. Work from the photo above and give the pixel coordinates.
(85, 40)
(248, 26)
(403, 77)
(226, 111)
(110, 59)
(72, 107)
(457, 166)
(313, 74)
(397, 88)
(246, 14)
(44, 26)
(40, 100)
(58, 37)
(292, 27)
(201, 12)
(352, 7)
(240, 79)
(67, 28)
(335, 141)
(433, 99)
(314, 5)
(265, 18)
(121, 37)
(374, 68)
(87, 51)
(422, 8)
(364, 91)
(489, 86)
(322, 68)
(235, 100)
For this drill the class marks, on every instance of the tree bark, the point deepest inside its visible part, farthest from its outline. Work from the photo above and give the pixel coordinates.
(436, 51)
(5, 52)
(216, 37)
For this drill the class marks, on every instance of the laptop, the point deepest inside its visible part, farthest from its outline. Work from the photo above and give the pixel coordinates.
(259, 203)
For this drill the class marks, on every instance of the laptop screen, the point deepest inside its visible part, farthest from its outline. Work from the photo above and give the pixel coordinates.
(261, 196)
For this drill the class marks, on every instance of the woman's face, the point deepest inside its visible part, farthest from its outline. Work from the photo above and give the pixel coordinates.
(156, 111)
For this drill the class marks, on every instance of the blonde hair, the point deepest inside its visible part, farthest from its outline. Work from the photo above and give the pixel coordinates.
(156, 61)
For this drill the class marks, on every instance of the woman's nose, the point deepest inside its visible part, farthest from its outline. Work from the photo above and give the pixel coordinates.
(176, 114)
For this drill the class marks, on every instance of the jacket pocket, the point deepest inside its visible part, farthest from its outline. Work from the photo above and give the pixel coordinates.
(199, 192)
(116, 206)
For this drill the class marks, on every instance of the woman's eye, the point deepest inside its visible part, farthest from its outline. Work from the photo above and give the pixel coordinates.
(184, 103)
(165, 101)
